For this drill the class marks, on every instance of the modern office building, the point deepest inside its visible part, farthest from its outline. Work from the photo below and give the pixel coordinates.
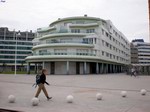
(134, 54)
(140, 56)
(142, 50)
(80, 45)
(9, 46)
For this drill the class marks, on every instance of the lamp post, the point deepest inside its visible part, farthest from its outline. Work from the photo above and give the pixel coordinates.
(16, 35)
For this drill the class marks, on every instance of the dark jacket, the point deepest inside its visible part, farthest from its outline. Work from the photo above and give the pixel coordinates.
(43, 79)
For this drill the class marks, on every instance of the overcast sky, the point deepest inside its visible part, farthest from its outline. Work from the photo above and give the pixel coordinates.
(129, 16)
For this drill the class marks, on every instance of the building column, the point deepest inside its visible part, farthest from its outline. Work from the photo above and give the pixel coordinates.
(43, 65)
(113, 68)
(121, 69)
(106, 68)
(35, 69)
(28, 68)
(67, 68)
(84, 71)
(110, 67)
(102, 68)
(97, 68)
(116, 68)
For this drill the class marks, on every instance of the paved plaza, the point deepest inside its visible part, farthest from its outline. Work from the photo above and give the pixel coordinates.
(83, 88)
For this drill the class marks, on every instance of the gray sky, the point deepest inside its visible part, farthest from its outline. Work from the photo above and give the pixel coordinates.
(129, 16)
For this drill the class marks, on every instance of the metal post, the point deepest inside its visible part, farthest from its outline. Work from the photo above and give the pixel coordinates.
(16, 53)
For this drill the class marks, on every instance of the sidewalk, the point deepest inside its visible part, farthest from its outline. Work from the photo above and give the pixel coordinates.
(83, 88)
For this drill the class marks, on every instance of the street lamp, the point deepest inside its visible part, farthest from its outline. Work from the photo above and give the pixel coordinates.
(16, 35)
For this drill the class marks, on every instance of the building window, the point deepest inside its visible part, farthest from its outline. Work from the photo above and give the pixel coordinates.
(75, 30)
(91, 40)
(60, 51)
(42, 52)
(116, 34)
(107, 34)
(82, 51)
(113, 48)
(85, 40)
(110, 46)
(110, 37)
(107, 44)
(113, 39)
(103, 32)
(110, 26)
(95, 40)
(103, 42)
(90, 30)
(110, 56)
(114, 56)
(107, 54)
(117, 57)
(116, 50)
(103, 53)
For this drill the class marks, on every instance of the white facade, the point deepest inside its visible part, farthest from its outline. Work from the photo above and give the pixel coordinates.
(80, 45)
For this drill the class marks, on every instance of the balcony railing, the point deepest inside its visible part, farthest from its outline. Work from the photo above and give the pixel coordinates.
(52, 32)
(54, 42)
(66, 53)
(83, 42)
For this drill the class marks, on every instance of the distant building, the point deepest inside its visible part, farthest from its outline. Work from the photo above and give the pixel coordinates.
(8, 45)
(142, 49)
(140, 56)
(134, 54)
(80, 45)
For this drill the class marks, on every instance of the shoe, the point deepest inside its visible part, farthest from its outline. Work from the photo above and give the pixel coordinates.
(48, 98)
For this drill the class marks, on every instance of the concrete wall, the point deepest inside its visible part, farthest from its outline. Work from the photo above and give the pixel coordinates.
(81, 68)
(47, 66)
(72, 67)
(60, 67)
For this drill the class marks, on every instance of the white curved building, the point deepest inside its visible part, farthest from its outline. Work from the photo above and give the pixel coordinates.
(80, 45)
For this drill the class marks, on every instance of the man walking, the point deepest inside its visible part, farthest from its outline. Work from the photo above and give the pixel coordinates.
(41, 85)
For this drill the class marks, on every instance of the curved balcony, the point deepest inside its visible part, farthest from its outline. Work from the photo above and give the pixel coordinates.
(62, 55)
(39, 30)
(63, 45)
(62, 35)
